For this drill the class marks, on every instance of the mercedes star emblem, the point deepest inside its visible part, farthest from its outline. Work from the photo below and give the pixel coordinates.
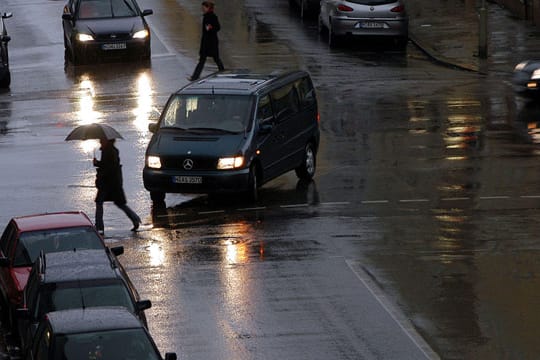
(188, 164)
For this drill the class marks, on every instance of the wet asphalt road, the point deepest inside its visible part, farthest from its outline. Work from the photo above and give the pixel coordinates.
(419, 225)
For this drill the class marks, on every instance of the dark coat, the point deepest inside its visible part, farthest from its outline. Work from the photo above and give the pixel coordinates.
(209, 38)
(109, 176)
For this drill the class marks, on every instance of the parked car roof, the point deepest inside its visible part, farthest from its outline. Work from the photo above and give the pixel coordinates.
(52, 220)
(92, 319)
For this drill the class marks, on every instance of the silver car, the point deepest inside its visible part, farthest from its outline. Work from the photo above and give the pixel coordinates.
(364, 17)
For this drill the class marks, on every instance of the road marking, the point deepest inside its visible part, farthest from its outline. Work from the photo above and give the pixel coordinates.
(455, 199)
(493, 197)
(374, 201)
(530, 196)
(337, 203)
(294, 206)
(253, 208)
(413, 200)
(211, 212)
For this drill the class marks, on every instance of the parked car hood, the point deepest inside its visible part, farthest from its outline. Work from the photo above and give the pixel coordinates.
(113, 25)
(166, 143)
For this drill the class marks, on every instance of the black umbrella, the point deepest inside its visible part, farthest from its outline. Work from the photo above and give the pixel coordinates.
(93, 131)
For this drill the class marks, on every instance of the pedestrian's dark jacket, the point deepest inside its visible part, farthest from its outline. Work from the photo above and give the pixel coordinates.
(109, 176)
(209, 38)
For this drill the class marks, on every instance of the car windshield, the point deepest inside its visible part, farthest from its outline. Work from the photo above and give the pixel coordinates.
(132, 344)
(54, 240)
(372, 2)
(229, 113)
(99, 9)
(83, 295)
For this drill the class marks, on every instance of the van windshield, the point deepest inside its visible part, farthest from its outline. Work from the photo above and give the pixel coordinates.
(229, 113)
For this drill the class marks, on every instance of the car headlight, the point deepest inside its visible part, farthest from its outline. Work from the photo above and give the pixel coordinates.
(153, 162)
(142, 34)
(230, 162)
(84, 37)
(535, 75)
(520, 66)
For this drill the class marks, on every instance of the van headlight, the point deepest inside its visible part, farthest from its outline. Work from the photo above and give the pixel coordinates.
(84, 37)
(230, 163)
(153, 162)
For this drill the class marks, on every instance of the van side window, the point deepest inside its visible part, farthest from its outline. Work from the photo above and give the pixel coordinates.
(306, 92)
(285, 102)
(264, 110)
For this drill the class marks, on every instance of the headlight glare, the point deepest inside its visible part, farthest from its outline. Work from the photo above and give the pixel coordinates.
(153, 162)
(142, 34)
(230, 163)
(536, 74)
(520, 66)
(84, 37)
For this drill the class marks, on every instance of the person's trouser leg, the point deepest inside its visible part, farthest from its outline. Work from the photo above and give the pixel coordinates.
(219, 63)
(99, 216)
(135, 219)
(198, 68)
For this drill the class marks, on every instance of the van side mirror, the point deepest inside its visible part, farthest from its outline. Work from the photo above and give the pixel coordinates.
(265, 128)
(147, 12)
(170, 356)
(7, 15)
(68, 17)
(152, 127)
(143, 305)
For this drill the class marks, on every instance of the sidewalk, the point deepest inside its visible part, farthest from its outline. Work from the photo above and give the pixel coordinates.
(447, 30)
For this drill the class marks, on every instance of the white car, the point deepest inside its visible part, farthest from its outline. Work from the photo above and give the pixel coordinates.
(386, 18)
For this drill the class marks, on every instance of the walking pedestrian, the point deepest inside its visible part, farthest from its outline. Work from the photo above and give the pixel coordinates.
(209, 40)
(109, 184)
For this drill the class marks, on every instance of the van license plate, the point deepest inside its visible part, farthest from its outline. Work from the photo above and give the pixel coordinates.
(187, 179)
(114, 46)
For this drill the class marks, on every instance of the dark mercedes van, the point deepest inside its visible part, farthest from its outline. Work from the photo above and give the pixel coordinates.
(233, 131)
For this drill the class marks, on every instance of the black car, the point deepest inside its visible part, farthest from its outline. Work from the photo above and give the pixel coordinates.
(5, 74)
(75, 279)
(232, 132)
(95, 29)
(108, 333)
(526, 78)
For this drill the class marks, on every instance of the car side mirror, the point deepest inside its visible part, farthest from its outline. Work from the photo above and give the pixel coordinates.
(265, 128)
(7, 15)
(68, 17)
(143, 305)
(4, 262)
(170, 356)
(6, 38)
(23, 313)
(147, 12)
(117, 250)
(152, 127)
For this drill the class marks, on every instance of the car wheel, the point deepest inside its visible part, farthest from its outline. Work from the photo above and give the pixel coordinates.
(253, 184)
(306, 170)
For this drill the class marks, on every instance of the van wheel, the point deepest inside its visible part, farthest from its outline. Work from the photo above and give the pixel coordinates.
(253, 183)
(306, 170)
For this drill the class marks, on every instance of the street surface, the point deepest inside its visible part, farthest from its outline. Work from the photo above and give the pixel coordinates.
(416, 239)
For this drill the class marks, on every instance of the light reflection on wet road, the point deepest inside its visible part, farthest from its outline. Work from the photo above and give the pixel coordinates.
(426, 183)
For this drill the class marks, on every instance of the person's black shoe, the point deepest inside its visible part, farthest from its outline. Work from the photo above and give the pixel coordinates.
(191, 78)
(135, 226)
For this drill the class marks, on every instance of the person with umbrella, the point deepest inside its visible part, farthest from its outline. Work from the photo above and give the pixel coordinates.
(109, 181)
(109, 184)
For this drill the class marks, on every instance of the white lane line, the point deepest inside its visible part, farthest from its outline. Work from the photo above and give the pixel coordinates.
(493, 197)
(336, 203)
(455, 199)
(293, 206)
(399, 318)
(413, 200)
(530, 196)
(211, 212)
(374, 201)
(252, 208)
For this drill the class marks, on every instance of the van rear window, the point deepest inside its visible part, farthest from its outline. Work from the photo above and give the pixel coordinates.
(229, 113)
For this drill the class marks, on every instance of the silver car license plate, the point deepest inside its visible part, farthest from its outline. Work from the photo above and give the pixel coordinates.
(187, 179)
(114, 46)
(369, 25)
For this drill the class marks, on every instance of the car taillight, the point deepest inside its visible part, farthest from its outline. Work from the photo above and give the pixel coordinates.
(342, 7)
(399, 8)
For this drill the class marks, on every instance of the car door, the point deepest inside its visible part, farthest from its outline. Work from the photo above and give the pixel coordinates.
(267, 139)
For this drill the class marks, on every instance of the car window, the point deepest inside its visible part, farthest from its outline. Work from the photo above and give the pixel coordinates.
(306, 92)
(92, 9)
(207, 111)
(31, 243)
(73, 297)
(285, 101)
(133, 344)
(264, 110)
